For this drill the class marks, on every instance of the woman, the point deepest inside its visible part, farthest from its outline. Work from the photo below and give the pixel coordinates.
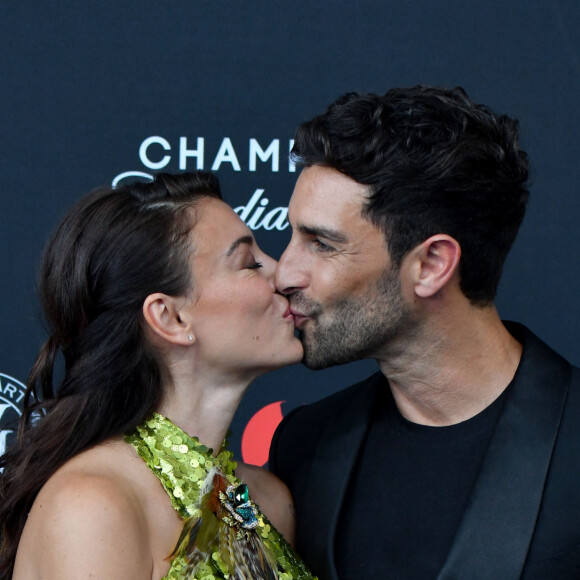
(164, 310)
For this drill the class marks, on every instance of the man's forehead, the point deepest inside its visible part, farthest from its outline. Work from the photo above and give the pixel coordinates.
(312, 214)
(328, 194)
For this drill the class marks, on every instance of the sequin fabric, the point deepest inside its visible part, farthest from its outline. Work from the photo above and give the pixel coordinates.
(182, 463)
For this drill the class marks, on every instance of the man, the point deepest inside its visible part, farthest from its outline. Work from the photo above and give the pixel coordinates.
(460, 458)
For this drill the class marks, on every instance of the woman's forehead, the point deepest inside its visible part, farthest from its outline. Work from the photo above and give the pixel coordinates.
(218, 228)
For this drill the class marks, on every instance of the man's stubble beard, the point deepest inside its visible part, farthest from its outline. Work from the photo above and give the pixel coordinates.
(357, 327)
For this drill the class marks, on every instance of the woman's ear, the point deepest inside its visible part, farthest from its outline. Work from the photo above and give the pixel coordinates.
(161, 313)
(434, 263)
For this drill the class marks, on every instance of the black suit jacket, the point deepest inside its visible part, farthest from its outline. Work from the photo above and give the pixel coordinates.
(523, 516)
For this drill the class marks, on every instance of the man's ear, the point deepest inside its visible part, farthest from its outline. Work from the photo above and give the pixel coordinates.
(434, 262)
(161, 313)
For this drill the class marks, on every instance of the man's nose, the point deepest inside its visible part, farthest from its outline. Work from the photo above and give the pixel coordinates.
(291, 273)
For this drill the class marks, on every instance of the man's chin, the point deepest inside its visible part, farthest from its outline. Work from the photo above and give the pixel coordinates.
(310, 359)
(325, 356)
(316, 357)
(315, 366)
(315, 360)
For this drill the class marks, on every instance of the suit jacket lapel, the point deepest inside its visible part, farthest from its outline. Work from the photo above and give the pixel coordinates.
(496, 530)
(334, 460)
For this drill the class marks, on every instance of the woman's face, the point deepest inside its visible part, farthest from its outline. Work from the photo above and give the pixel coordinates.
(241, 324)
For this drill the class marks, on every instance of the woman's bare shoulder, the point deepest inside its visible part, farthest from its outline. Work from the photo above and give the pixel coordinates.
(102, 474)
(272, 495)
(86, 521)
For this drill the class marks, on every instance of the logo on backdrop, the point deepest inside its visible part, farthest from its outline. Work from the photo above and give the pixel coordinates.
(156, 153)
(11, 399)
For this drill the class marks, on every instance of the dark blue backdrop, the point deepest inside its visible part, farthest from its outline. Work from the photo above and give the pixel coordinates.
(84, 85)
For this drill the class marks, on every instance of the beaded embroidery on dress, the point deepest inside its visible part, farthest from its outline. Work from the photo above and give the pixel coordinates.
(224, 535)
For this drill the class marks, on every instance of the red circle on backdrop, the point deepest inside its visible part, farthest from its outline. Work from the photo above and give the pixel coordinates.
(258, 434)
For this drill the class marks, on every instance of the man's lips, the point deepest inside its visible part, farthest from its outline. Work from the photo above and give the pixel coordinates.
(299, 319)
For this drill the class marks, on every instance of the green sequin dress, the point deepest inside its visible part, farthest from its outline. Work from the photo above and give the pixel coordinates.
(182, 463)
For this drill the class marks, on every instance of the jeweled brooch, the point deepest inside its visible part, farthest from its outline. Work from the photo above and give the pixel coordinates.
(243, 512)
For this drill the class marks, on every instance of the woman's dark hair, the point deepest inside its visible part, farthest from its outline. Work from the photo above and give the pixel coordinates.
(435, 162)
(113, 249)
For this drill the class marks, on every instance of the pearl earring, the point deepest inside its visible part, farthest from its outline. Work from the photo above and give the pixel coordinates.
(189, 337)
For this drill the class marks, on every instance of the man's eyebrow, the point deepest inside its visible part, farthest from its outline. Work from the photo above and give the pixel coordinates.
(243, 240)
(327, 234)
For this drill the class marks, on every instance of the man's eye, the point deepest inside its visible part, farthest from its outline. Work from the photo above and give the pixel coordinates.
(254, 266)
(322, 247)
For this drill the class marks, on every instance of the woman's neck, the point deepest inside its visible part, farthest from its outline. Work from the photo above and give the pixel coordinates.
(204, 406)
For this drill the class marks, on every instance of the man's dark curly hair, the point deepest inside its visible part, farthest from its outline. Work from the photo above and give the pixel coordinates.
(435, 162)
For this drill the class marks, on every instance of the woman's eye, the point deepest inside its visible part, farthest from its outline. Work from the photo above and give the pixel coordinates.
(254, 266)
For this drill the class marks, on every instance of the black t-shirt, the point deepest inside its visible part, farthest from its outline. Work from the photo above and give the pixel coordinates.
(408, 493)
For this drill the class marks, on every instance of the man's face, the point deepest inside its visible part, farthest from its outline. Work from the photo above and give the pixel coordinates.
(343, 290)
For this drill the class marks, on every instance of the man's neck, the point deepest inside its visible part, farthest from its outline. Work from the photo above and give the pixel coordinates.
(452, 368)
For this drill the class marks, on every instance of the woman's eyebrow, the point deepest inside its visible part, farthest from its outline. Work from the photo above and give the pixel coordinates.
(243, 240)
